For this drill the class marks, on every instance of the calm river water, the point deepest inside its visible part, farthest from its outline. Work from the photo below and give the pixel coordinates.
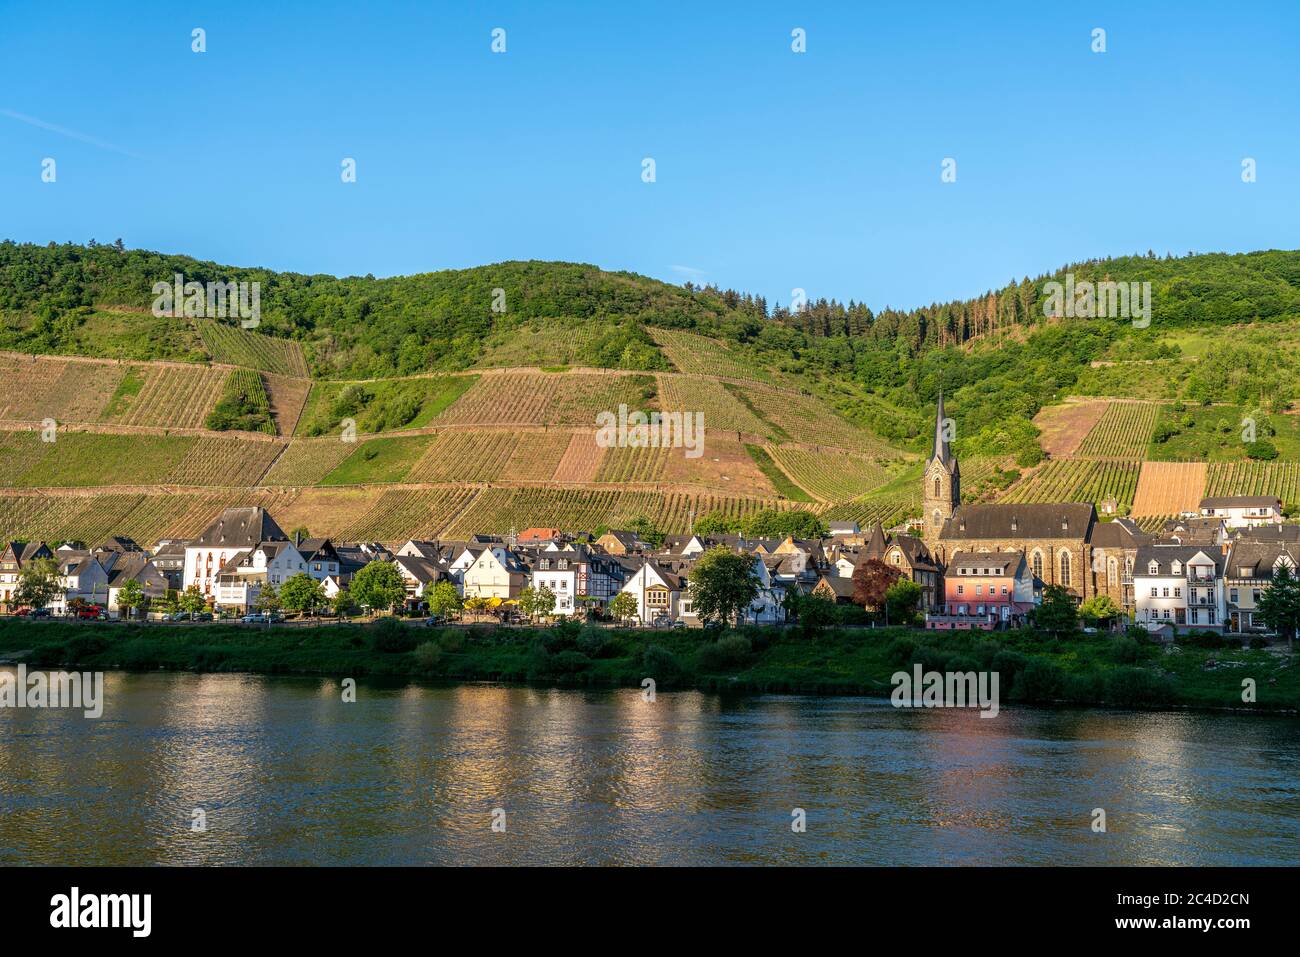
(286, 773)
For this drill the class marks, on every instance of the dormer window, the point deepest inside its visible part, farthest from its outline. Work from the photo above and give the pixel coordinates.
(1176, 568)
(1153, 568)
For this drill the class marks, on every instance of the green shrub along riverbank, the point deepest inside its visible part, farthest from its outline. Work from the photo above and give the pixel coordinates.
(1033, 667)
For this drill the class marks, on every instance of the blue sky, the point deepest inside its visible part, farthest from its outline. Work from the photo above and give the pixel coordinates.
(775, 170)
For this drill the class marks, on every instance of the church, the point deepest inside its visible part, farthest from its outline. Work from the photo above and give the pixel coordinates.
(1063, 544)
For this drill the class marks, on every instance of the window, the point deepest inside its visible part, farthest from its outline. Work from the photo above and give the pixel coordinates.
(961, 589)
(1176, 568)
(979, 589)
(1178, 592)
(1153, 567)
(1112, 571)
(1065, 568)
(1037, 562)
(937, 492)
(1232, 595)
(1164, 592)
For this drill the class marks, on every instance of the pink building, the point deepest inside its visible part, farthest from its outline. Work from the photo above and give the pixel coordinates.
(984, 590)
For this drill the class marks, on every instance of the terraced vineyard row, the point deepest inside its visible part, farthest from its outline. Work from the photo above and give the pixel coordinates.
(308, 461)
(236, 346)
(146, 518)
(1078, 480)
(47, 387)
(497, 510)
(167, 396)
(807, 420)
(832, 476)
(465, 457)
(722, 411)
(226, 462)
(1123, 432)
(700, 355)
(634, 465)
(1255, 478)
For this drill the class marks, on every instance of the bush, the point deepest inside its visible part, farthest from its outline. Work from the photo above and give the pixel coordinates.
(1232, 642)
(594, 643)
(428, 655)
(724, 654)
(451, 639)
(1040, 681)
(1132, 687)
(1125, 651)
(900, 651)
(1201, 639)
(661, 664)
(1008, 664)
(80, 648)
(1258, 641)
(391, 635)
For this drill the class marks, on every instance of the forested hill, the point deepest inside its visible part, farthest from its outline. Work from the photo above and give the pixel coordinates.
(996, 355)
(360, 326)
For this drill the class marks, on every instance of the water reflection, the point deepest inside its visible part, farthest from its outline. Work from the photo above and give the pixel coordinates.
(288, 773)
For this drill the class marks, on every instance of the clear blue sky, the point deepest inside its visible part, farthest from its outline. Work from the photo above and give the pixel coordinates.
(775, 170)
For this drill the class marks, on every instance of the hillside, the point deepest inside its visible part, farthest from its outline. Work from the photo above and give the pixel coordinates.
(470, 420)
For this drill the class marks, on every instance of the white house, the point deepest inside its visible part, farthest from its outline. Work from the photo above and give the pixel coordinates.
(81, 575)
(239, 583)
(497, 572)
(1238, 511)
(235, 530)
(658, 593)
(1179, 586)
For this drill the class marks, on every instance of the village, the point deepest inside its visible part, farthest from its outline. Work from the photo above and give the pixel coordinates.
(974, 566)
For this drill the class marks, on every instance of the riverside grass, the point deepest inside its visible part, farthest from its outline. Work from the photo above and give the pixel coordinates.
(1087, 670)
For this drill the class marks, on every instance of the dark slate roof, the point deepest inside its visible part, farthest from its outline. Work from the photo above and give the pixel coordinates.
(241, 528)
(1259, 558)
(1166, 555)
(421, 569)
(975, 563)
(842, 587)
(1119, 533)
(1267, 533)
(1029, 520)
(1240, 501)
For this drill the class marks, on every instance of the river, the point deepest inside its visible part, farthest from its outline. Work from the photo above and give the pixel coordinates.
(284, 772)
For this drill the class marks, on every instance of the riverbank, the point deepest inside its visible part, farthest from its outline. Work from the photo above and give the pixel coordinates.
(1033, 667)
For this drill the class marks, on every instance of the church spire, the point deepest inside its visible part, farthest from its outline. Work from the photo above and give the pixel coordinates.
(940, 451)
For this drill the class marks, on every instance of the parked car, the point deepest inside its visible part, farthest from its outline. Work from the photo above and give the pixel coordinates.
(41, 613)
(203, 616)
(91, 613)
(254, 619)
(177, 616)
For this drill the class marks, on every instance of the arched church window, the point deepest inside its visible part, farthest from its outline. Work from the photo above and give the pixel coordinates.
(1037, 562)
(937, 493)
(1112, 571)
(1065, 568)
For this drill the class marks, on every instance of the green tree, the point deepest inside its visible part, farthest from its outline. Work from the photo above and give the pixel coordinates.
(268, 599)
(191, 600)
(1099, 608)
(902, 599)
(1057, 612)
(342, 602)
(535, 602)
(302, 593)
(130, 597)
(378, 586)
(444, 601)
(722, 585)
(38, 583)
(1279, 605)
(623, 607)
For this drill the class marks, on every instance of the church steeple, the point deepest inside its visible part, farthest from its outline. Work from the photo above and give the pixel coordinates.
(941, 481)
(941, 451)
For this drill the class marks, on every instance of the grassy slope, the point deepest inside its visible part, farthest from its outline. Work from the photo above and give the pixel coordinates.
(1033, 667)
